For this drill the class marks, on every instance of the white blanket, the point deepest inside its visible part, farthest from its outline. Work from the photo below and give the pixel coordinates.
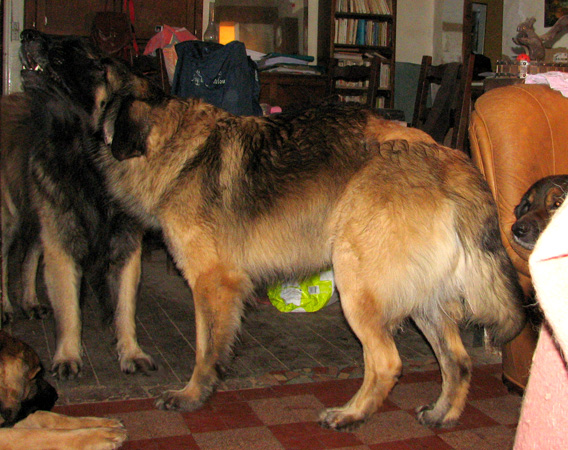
(556, 80)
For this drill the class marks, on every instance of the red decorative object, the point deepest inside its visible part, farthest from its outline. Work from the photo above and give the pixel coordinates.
(523, 57)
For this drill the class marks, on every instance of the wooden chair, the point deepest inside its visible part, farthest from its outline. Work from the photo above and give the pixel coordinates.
(451, 106)
(353, 75)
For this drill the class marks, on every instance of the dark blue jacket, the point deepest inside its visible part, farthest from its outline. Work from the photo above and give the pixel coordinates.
(222, 75)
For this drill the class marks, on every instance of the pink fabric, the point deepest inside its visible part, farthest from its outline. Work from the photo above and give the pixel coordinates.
(168, 36)
(544, 416)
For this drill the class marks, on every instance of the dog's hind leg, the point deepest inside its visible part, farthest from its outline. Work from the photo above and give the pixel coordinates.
(218, 296)
(63, 281)
(8, 234)
(7, 308)
(382, 361)
(30, 303)
(132, 358)
(443, 335)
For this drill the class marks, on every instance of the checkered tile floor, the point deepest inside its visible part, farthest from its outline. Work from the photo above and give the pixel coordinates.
(286, 368)
(285, 417)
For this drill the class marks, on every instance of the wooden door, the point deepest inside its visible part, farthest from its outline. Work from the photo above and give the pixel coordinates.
(64, 17)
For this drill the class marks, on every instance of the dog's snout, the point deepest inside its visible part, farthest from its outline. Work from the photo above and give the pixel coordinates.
(29, 35)
(520, 229)
(8, 414)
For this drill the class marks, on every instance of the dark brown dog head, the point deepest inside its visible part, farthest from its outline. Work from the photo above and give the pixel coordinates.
(22, 388)
(66, 69)
(70, 72)
(536, 208)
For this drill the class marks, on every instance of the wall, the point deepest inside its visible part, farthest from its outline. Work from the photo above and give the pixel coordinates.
(414, 30)
(517, 11)
(13, 13)
(435, 28)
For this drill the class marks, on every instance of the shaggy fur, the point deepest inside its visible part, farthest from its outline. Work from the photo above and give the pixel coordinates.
(409, 226)
(53, 194)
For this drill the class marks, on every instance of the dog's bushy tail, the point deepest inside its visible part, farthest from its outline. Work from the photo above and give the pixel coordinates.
(489, 279)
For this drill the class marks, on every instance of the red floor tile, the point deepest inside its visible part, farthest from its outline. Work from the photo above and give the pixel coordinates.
(204, 420)
(237, 415)
(309, 435)
(258, 393)
(425, 443)
(167, 443)
(485, 385)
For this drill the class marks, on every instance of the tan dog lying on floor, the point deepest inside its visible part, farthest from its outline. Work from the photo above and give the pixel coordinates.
(24, 395)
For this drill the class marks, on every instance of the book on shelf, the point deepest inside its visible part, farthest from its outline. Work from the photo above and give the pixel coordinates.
(384, 76)
(364, 6)
(381, 101)
(362, 32)
(355, 58)
(299, 69)
(272, 59)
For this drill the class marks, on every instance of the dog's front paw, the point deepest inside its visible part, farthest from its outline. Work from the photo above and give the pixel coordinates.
(177, 401)
(7, 312)
(99, 438)
(37, 311)
(141, 362)
(7, 317)
(338, 419)
(67, 370)
(429, 416)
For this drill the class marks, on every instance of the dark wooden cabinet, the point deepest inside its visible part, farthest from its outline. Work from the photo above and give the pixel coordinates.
(287, 90)
(76, 16)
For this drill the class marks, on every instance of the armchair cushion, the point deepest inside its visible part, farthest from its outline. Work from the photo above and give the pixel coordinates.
(518, 134)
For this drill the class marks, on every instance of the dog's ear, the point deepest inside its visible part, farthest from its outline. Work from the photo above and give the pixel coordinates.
(126, 128)
(33, 371)
(33, 364)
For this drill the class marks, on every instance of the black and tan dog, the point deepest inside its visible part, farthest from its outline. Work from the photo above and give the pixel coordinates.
(54, 201)
(537, 205)
(25, 400)
(409, 226)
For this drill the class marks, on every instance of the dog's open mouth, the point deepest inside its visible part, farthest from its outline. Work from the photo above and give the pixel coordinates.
(33, 54)
(524, 244)
(36, 68)
(28, 63)
(35, 58)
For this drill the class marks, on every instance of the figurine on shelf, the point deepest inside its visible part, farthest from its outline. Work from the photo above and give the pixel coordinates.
(524, 61)
(527, 37)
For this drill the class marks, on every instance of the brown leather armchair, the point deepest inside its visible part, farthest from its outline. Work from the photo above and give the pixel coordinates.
(519, 134)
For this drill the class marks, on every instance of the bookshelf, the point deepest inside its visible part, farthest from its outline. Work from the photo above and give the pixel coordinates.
(353, 31)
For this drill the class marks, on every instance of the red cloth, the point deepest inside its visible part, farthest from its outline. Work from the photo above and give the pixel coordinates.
(168, 36)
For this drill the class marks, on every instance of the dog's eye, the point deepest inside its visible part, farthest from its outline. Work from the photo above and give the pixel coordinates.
(557, 204)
